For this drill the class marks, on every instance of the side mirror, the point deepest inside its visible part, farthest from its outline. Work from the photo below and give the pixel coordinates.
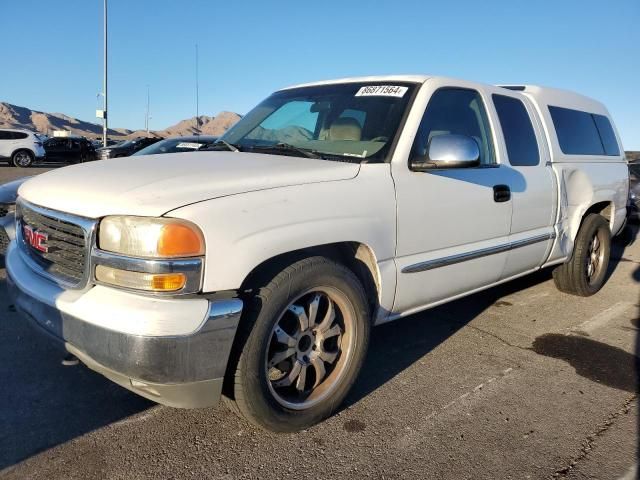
(448, 151)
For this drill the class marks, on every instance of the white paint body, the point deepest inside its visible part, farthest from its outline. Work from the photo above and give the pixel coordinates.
(253, 207)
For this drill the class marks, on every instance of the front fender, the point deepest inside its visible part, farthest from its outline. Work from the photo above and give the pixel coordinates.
(242, 231)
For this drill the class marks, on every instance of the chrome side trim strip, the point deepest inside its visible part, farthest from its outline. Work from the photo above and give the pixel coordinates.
(483, 252)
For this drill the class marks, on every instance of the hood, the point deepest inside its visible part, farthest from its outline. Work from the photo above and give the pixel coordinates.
(152, 185)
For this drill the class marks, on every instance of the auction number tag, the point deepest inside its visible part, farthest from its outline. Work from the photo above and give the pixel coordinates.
(193, 145)
(382, 91)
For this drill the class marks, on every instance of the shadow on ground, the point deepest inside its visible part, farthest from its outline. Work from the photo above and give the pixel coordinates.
(42, 403)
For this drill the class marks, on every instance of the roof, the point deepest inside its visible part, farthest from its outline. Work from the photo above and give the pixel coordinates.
(544, 95)
(562, 98)
(16, 130)
(375, 78)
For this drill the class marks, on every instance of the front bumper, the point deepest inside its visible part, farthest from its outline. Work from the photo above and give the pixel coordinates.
(183, 370)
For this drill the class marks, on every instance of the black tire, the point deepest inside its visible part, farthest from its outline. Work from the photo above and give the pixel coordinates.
(22, 158)
(573, 277)
(253, 391)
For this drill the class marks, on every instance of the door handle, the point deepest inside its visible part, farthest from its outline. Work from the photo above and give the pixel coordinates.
(501, 193)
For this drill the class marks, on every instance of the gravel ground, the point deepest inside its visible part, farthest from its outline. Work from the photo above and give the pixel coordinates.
(517, 382)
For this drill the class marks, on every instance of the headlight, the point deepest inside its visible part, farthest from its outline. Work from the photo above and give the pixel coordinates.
(159, 255)
(150, 237)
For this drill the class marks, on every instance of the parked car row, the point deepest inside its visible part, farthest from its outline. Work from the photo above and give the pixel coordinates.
(22, 148)
(79, 149)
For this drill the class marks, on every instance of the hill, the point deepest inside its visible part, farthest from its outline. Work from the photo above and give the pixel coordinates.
(14, 116)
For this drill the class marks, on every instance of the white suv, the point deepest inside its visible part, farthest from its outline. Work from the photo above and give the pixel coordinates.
(20, 147)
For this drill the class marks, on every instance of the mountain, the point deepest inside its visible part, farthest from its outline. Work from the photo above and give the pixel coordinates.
(208, 125)
(14, 116)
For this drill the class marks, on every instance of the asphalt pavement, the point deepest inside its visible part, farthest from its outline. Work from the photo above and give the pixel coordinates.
(520, 381)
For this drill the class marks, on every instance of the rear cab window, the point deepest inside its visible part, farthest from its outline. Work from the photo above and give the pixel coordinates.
(583, 133)
(608, 137)
(519, 135)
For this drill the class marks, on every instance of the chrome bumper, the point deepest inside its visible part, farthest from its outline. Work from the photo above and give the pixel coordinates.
(179, 371)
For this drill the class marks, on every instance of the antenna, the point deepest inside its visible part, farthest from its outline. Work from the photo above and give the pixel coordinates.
(197, 98)
(146, 119)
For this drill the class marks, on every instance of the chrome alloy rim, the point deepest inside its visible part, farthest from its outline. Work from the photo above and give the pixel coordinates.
(22, 159)
(595, 258)
(310, 348)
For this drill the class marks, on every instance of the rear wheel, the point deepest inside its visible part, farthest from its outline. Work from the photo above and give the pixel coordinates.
(305, 338)
(585, 273)
(22, 158)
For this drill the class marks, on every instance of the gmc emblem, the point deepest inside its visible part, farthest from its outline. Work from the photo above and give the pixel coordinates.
(36, 239)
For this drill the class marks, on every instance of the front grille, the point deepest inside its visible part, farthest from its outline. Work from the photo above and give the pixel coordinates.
(67, 244)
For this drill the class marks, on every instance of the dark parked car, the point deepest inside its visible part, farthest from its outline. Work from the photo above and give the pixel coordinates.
(69, 150)
(97, 142)
(126, 148)
(179, 145)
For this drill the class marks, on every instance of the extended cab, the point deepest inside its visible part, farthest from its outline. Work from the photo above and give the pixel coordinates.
(257, 269)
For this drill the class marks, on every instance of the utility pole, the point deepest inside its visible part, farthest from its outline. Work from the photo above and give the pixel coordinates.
(105, 122)
(197, 99)
(146, 119)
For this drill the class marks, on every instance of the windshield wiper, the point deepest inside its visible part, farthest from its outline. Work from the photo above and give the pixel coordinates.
(287, 147)
(223, 143)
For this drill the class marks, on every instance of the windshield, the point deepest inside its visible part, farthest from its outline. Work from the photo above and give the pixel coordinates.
(177, 145)
(350, 120)
(126, 143)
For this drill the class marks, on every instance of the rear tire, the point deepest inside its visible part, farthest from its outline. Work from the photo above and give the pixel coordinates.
(303, 340)
(22, 159)
(584, 274)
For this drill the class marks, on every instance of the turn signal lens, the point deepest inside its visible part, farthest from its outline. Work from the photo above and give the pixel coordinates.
(151, 282)
(150, 237)
(179, 240)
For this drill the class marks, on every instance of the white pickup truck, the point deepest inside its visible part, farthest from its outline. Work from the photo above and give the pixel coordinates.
(256, 269)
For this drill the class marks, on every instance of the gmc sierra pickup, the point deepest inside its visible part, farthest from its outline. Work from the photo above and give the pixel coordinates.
(256, 269)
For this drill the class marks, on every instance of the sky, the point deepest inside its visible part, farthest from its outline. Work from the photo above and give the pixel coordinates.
(248, 49)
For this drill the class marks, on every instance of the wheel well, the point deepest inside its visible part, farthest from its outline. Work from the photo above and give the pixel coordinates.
(356, 256)
(601, 208)
(23, 149)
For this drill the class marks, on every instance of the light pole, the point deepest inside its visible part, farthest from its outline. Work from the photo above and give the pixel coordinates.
(197, 99)
(105, 122)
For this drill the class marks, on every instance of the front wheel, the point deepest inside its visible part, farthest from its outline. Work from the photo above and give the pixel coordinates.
(305, 336)
(585, 273)
(22, 158)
